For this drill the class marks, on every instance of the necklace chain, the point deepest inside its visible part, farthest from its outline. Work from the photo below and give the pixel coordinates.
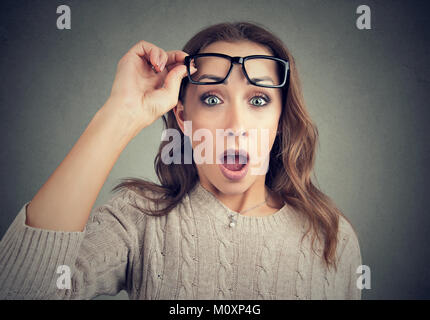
(242, 212)
(233, 216)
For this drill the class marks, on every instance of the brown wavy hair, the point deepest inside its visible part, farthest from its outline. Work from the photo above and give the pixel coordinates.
(292, 156)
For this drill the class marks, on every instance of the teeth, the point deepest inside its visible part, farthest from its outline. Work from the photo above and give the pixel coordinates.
(242, 159)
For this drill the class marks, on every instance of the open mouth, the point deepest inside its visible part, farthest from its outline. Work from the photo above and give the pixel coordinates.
(234, 164)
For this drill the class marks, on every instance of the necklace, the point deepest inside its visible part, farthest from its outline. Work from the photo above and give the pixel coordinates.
(233, 217)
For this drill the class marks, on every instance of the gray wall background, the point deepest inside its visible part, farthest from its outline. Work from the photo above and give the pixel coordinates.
(367, 91)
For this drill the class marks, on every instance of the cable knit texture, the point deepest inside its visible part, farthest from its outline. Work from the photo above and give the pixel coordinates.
(191, 253)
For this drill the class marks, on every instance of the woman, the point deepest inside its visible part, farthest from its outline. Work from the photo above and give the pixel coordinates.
(210, 230)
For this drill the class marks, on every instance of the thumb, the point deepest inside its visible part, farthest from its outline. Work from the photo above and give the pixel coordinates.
(173, 79)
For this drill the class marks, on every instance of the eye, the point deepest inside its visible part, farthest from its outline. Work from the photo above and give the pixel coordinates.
(260, 99)
(210, 99)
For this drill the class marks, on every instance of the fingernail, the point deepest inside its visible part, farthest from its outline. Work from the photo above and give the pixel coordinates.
(162, 66)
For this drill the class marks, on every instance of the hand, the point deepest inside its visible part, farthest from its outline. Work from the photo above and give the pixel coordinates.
(142, 93)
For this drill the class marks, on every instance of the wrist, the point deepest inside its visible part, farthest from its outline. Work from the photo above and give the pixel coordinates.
(119, 118)
(116, 125)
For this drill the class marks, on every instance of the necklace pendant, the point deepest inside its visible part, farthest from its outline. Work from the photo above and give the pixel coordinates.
(232, 221)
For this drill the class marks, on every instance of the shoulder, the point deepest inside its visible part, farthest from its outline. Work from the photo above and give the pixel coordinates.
(346, 231)
(137, 205)
(123, 206)
(348, 242)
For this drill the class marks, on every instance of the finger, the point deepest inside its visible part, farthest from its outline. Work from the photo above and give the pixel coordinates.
(175, 56)
(192, 68)
(149, 51)
(164, 58)
(173, 80)
(171, 66)
(167, 96)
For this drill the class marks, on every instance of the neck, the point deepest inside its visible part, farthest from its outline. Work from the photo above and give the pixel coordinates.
(239, 200)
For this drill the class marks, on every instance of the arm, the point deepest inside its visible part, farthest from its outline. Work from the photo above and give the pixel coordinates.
(50, 230)
(349, 254)
(354, 256)
(64, 202)
(99, 258)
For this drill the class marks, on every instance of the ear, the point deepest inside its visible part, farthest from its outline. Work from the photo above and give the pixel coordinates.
(179, 110)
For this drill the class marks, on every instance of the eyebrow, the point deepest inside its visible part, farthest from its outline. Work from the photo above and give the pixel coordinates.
(216, 78)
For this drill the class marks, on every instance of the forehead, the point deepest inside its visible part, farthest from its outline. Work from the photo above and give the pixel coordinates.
(238, 48)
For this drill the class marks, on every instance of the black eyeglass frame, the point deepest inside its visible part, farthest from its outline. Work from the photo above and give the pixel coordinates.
(238, 60)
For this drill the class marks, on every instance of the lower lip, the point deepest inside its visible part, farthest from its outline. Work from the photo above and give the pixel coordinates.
(234, 175)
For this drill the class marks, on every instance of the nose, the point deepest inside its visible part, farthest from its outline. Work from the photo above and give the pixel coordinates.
(236, 119)
(237, 133)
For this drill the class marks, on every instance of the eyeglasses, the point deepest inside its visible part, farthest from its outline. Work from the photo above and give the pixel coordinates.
(259, 70)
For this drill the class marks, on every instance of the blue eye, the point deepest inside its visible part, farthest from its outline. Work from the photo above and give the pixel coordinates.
(212, 98)
(259, 99)
(263, 101)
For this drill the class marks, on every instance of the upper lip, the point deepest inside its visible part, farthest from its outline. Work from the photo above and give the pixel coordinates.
(231, 151)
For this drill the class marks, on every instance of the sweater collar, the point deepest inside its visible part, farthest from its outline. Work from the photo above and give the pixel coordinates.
(205, 203)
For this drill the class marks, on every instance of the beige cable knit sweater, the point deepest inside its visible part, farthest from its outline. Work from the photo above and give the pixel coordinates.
(191, 253)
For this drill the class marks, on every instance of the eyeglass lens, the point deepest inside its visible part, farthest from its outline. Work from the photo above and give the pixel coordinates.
(260, 70)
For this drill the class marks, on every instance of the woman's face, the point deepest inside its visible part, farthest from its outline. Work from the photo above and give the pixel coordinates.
(249, 111)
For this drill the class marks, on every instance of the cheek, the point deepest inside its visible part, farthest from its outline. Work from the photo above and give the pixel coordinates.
(267, 129)
(204, 142)
(198, 116)
(269, 121)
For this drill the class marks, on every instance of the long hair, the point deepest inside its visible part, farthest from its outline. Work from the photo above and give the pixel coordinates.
(292, 156)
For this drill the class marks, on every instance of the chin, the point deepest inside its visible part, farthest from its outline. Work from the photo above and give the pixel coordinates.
(233, 187)
(217, 180)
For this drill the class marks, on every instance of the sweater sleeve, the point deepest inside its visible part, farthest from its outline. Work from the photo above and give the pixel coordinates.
(349, 260)
(46, 264)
